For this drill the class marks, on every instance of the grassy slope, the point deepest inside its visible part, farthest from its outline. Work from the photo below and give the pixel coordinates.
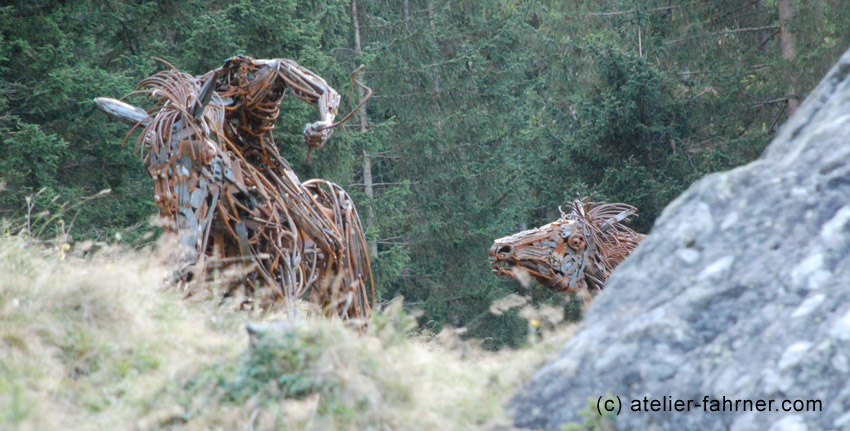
(94, 343)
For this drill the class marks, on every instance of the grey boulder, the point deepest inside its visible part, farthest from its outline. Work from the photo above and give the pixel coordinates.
(742, 290)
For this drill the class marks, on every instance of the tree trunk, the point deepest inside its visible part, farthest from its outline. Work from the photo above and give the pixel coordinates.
(364, 127)
(435, 45)
(765, 34)
(405, 10)
(789, 51)
(435, 70)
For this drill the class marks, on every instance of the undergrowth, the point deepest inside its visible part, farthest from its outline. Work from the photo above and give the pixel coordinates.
(90, 342)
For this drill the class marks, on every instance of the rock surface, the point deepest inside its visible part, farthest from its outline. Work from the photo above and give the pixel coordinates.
(741, 290)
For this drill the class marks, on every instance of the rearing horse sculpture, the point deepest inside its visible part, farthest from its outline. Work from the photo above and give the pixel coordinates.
(574, 254)
(207, 143)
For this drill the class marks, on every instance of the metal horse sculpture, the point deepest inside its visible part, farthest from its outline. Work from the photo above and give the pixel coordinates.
(207, 142)
(574, 254)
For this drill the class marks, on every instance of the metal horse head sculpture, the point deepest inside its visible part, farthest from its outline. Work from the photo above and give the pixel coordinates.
(219, 177)
(574, 254)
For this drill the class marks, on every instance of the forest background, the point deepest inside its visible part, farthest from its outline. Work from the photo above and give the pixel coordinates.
(487, 114)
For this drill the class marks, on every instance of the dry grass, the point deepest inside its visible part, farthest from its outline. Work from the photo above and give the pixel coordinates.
(90, 343)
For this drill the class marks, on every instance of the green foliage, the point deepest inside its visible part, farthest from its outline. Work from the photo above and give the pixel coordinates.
(392, 324)
(622, 133)
(593, 421)
(486, 116)
(56, 58)
(278, 364)
(504, 112)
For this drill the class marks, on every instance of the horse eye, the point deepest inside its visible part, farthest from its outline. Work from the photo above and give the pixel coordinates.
(576, 241)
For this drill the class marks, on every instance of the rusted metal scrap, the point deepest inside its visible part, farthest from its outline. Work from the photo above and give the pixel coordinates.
(208, 144)
(574, 254)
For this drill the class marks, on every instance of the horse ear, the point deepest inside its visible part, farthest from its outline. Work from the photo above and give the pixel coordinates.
(205, 95)
(122, 111)
(606, 224)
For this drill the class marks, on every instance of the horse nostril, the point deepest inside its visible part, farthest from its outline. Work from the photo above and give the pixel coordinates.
(505, 249)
